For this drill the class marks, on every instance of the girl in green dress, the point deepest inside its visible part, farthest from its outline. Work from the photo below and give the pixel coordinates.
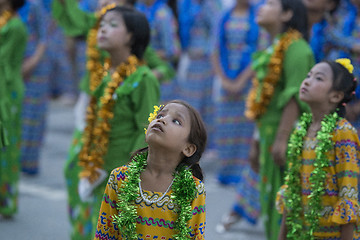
(273, 101)
(116, 116)
(77, 22)
(13, 39)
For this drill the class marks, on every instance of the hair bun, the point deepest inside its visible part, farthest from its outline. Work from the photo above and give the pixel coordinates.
(346, 63)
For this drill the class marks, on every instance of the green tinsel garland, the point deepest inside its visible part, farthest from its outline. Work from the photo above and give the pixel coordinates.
(293, 181)
(184, 189)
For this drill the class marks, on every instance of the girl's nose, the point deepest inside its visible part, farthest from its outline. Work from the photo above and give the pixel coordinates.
(163, 120)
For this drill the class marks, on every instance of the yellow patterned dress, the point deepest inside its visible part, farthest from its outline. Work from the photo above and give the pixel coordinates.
(340, 202)
(155, 221)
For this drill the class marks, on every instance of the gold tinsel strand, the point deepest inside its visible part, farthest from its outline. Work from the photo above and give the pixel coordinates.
(5, 17)
(96, 134)
(256, 105)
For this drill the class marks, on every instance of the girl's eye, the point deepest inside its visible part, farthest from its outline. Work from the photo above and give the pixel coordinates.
(177, 122)
(159, 116)
(319, 78)
(113, 24)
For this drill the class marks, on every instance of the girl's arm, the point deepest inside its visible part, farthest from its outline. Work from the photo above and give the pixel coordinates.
(283, 228)
(288, 118)
(69, 16)
(31, 62)
(225, 82)
(347, 231)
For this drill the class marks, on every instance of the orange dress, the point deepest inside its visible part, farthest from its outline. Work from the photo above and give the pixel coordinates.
(340, 201)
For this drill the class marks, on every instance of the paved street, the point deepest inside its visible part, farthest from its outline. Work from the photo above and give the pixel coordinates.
(42, 202)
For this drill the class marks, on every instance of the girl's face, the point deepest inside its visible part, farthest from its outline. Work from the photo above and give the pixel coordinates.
(319, 5)
(171, 128)
(269, 12)
(112, 34)
(317, 86)
(356, 3)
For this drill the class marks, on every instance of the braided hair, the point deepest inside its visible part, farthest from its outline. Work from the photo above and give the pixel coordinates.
(345, 82)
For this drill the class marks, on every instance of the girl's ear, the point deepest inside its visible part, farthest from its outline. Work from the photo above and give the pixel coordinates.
(336, 97)
(189, 150)
(129, 39)
(286, 15)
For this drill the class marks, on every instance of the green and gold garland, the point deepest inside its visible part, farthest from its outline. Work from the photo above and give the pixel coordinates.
(293, 203)
(184, 192)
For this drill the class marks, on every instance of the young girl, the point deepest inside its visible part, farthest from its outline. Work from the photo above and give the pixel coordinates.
(197, 22)
(238, 39)
(324, 36)
(13, 39)
(321, 191)
(159, 194)
(273, 100)
(115, 117)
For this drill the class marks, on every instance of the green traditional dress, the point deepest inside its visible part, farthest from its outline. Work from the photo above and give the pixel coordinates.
(13, 37)
(297, 62)
(76, 22)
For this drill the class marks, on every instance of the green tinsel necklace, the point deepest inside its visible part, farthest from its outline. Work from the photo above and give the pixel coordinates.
(184, 192)
(293, 203)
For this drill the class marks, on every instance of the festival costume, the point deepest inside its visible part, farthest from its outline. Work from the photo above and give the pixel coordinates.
(237, 41)
(164, 37)
(155, 220)
(296, 62)
(198, 20)
(36, 90)
(339, 204)
(13, 39)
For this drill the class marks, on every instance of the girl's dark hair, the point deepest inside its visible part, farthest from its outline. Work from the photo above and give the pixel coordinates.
(16, 4)
(345, 82)
(197, 136)
(136, 24)
(131, 2)
(299, 20)
(337, 3)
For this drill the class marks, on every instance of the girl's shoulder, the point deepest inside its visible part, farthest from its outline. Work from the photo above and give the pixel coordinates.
(343, 125)
(299, 46)
(119, 173)
(344, 130)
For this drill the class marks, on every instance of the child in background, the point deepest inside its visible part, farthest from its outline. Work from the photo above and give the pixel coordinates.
(13, 38)
(36, 77)
(127, 91)
(162, 184)
(273, 100)
(320, 194)
(237, 41)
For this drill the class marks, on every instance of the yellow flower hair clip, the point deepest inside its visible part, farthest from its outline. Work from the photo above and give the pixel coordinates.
(153, 115)
(346, 63)
(103, 10)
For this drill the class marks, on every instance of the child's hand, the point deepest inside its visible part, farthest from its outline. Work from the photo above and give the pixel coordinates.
(254, 156)
(278, 150)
